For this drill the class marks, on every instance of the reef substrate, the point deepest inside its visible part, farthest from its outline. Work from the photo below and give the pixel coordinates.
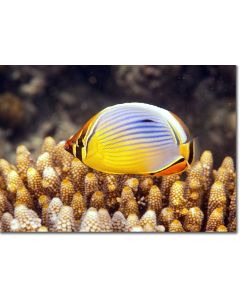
(57, 193)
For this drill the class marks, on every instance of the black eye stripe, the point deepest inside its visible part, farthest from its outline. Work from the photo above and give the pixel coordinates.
(79, 152)
(79, 143)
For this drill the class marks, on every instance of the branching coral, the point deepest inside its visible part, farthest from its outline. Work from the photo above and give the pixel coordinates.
(105, 220)
(56, 192)
(65, 220)
(193, 220)
(215, 219)
(145, 185)
(194, 186)
(206, 160)
(49, 145)
(132, 221)
(119, 223)
(90, 221)
(232, 221)
(166, 216)
(91, 184)
(111, 190)
(133, 183)
(44, 161)
(13, 181)
(78, 205)
(228, 164)
(50, 181)
(78, 172)
(177, 200)
(6, 222)
(3, 202)
(52, 213)
(176, 226)
(23, 197)
(154, 199)
(127, 202)
(24, 161)
(66, 191)
(34, 182)
(26, 220)
(166, 184)
(149, 219)
(131, 207)
(217, 197)
(97, 200)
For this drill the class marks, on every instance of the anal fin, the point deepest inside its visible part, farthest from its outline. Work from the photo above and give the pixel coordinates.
(175, 167)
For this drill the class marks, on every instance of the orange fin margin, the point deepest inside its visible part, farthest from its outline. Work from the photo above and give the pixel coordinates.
(177, 167)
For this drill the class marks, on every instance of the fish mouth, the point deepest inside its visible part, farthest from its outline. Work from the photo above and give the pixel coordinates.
(67, 147)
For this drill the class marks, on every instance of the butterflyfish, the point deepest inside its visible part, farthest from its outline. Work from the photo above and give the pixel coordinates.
(134, 138)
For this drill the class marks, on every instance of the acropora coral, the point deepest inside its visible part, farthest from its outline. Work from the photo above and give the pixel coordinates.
(56, 192)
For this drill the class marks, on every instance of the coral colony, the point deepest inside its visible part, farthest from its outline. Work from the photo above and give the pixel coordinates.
(58, 193)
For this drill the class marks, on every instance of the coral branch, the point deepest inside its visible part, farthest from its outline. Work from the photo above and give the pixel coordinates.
(55, 192)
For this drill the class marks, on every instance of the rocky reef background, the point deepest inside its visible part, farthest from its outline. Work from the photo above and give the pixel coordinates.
(38, 101)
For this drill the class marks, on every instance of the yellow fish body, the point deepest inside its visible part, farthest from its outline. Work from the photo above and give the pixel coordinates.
(134, 138)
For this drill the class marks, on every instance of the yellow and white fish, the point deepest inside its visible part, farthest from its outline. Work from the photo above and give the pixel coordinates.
(134, 138)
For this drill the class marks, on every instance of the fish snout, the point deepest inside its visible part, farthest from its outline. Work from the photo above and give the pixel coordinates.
(68, 146)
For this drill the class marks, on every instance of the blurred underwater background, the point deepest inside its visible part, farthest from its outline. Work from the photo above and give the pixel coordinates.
(38, 101)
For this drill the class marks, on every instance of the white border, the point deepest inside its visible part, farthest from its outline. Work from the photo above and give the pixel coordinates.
(200, 266)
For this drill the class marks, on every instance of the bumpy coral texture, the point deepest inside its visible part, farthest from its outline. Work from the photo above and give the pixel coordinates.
(56, 192)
